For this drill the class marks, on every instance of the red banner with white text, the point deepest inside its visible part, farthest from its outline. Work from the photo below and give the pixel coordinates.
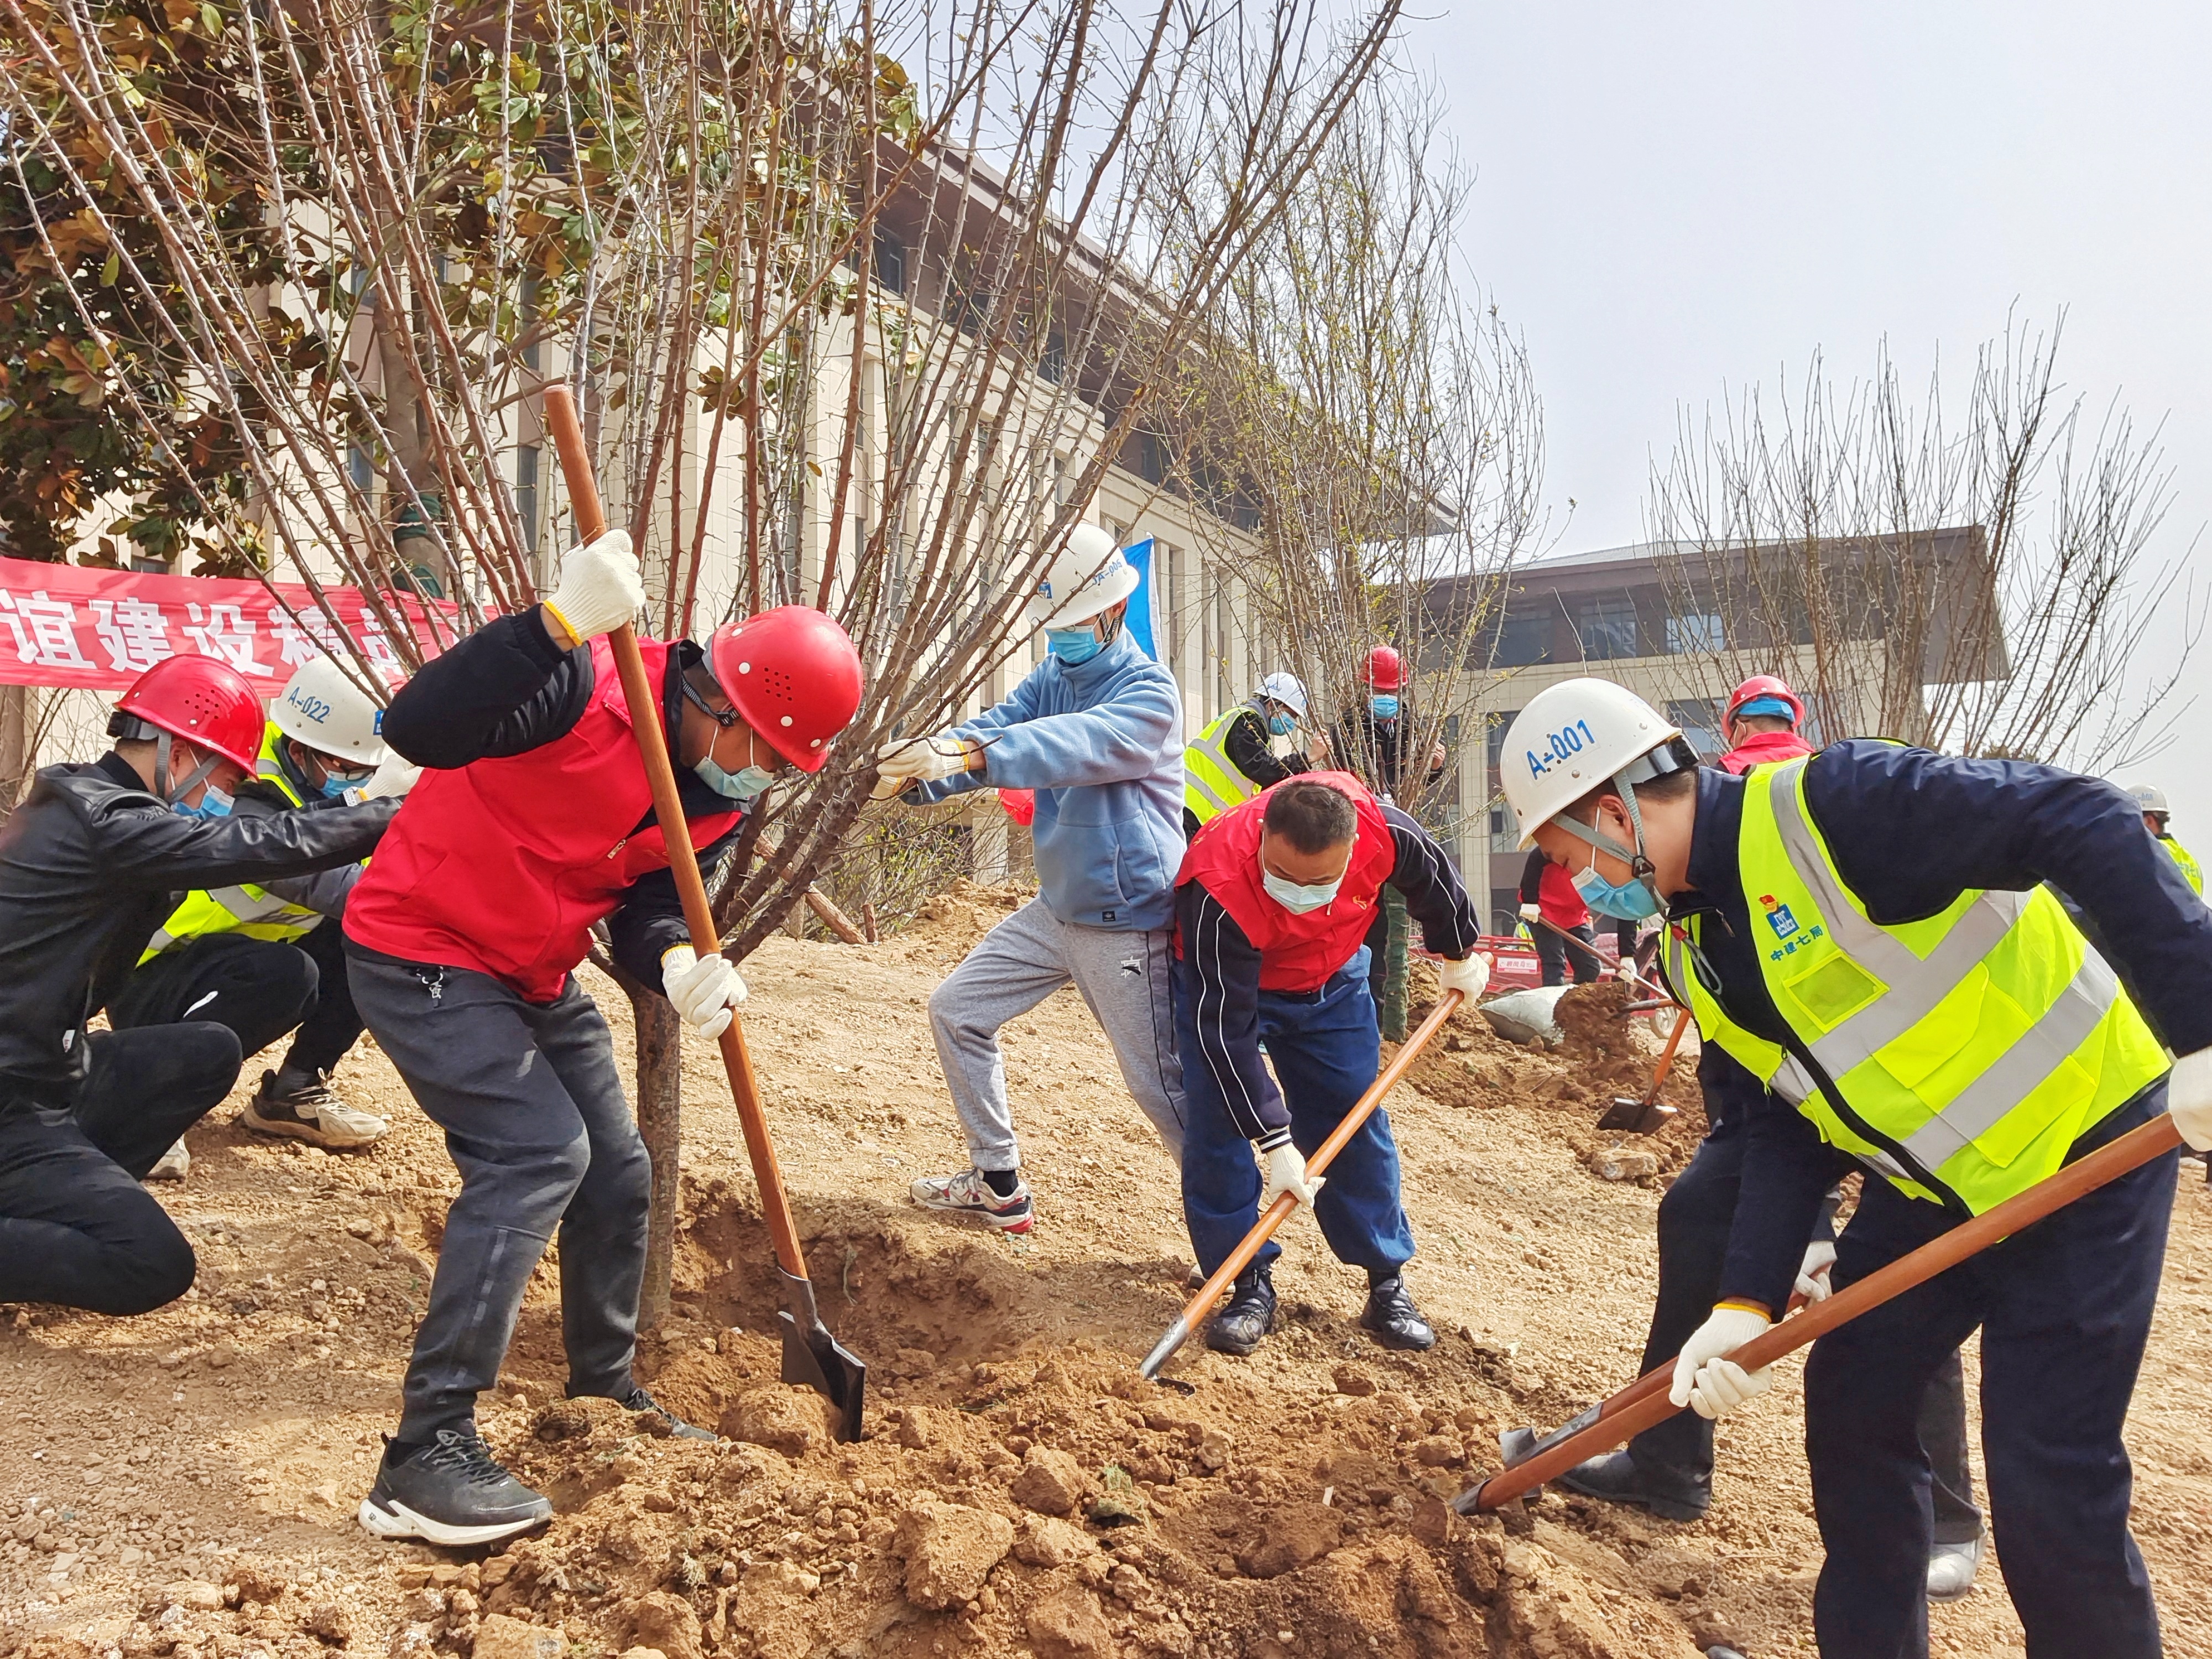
(73, 625)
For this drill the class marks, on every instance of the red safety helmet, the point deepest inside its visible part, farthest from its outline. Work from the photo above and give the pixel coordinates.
(794, 676)
(203, 700)
(1763, 685)
(1384, 673)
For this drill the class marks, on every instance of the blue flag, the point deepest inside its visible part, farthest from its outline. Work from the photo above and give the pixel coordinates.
(1144, 604)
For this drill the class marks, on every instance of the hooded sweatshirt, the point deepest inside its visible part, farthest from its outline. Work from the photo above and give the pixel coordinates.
(1101, 746)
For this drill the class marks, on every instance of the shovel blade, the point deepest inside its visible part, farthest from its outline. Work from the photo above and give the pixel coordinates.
(1629, 1116)
(826, 1366)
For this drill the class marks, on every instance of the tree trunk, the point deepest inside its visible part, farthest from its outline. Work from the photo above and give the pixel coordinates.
(660, 1122)
(16, 759)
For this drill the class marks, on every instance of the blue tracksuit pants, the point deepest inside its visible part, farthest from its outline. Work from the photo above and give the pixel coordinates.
(2064, 1309)
(1326, 1051)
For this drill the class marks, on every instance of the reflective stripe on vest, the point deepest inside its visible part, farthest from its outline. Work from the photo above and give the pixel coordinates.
(1212, 782)
(1956, 1059)
(244, 908)
(2186, 859)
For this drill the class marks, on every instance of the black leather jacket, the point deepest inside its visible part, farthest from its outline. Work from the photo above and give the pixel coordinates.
(91, 864)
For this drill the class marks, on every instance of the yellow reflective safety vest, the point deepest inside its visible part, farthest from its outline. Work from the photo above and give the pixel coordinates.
(244, 908)
(1961, 1056)
(2188, 863)
(1211, 782)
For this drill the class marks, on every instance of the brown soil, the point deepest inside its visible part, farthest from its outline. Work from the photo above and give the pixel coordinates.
(184, 1483)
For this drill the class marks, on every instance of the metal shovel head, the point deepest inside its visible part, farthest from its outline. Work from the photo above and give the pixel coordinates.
(813, 1357)
(1629, 1116)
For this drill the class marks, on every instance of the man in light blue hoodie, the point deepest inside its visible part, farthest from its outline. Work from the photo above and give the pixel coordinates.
(1096, 731)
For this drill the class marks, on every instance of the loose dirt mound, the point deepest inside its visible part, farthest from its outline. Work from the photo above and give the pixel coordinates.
(183, 1484)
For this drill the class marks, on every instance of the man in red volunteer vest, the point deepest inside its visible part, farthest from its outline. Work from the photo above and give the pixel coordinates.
(1272, 906)
(533, 822)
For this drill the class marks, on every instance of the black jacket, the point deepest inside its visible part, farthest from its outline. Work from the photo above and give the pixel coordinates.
(1246, 746)
(1373, 746)
(508, 689)
(91, 864)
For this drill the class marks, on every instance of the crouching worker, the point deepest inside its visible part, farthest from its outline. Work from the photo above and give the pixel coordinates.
(1272, 912)
(256, 957)
(536, 823)
(90, 863)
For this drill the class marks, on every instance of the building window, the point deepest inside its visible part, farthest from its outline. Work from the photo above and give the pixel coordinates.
(1700, 720)
(1052, 362)
(891, 261)
(525, 493)
(1606, 625)
(1698, 633)
(1524, 638)
(1504, 834)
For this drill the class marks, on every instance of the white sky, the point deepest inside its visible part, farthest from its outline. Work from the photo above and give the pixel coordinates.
(1672, 201)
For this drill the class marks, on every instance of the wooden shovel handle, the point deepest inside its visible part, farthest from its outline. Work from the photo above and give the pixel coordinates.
(1646, 1402)
(668, 808)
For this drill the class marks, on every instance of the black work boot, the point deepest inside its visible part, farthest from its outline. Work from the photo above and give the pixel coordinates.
(1672, 1491)
(1250, 1315)
(1392, 1319)
(637, 1400)
(451, 1492)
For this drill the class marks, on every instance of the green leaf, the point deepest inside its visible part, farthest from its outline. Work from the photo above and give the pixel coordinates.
(111, 269)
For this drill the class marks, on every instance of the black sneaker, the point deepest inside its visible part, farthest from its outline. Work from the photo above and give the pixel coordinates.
(1250, 1315)
(637, 1400)
(451, 1492)
(1671, 1491)
(299, 1105)
(1391, 1318)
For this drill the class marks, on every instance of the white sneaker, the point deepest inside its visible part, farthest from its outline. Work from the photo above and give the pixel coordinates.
(1951, 1570)
(968, 1194)
(310, 1112)
(173, 1165)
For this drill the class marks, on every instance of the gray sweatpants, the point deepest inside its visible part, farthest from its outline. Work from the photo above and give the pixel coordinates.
(1124, 978)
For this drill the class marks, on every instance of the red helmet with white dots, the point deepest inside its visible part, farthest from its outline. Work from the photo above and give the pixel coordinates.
(793, 675)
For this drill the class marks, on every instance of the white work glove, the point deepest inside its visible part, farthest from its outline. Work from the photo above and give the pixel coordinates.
(1706, 1381)
(922, 760)
(702, 991)
(2189, 1098)
(1532, 913)
(1286, 1173)
(395, 774)
(1467, 976)
(1813, 1272)
(600, 588)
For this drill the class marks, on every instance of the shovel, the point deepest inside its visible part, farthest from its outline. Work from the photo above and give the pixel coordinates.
(810, 1354)
(1531, 1461)
(1640, 1117)
(1279, 1211)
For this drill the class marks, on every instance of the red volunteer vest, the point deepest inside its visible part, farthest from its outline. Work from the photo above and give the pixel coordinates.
(1297, 953)
(503, 866)
(1764, 748)
(1558, 900)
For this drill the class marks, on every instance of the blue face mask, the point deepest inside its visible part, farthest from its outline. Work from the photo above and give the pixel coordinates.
(335, 784)
(743, 786)
(1384, 708)
(1633, 900)
(1074, 646)
(1281, 725)
(213, 803)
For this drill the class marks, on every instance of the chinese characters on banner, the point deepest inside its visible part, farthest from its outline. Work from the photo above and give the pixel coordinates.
(66, 625)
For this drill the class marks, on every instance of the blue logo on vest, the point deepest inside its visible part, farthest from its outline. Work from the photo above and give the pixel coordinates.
(1782, 921)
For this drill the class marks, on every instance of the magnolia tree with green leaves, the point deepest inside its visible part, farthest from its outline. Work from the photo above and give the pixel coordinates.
(860, 302)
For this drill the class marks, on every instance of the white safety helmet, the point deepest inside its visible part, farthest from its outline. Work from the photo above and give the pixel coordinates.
(1574, 736)
(2149, 798)
(1086, 576)
(321, 707)
(1287, 690)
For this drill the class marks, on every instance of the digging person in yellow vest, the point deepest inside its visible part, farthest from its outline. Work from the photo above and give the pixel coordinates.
(258, 960)
(1234, 758)
(1866, 934)
(2156, 815)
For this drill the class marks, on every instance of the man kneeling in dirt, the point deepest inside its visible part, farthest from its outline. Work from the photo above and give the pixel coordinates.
(1271, 911)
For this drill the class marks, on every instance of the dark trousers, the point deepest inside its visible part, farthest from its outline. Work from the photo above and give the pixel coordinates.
(2064, 1309)
(260, 988)
(75, 1227)
(1554, 953)
(1326, 1052)
(534, 1117)
(1694, 1218)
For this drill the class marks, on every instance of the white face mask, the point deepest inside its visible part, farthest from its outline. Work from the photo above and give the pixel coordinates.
(1291, 896)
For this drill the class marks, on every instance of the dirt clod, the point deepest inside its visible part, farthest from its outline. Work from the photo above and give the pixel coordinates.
(792, 1421)
(949, 1550)
(1051, 1482)
(500, 1637)
(1067, 1623)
